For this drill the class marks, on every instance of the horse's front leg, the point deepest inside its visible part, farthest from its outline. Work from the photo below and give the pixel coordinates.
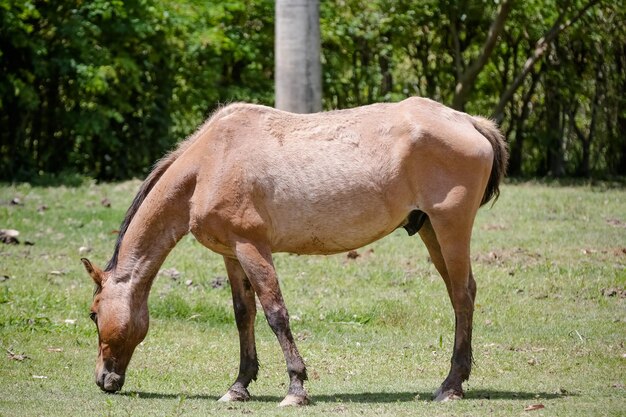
(256, 261)
(245, 313)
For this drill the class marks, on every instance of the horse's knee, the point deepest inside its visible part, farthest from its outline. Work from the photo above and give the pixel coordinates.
(278, 320)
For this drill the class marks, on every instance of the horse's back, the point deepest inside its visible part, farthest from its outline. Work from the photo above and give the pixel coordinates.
(328, 182)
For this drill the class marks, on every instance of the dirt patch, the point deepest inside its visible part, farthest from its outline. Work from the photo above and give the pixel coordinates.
(218, 282)
(614, 292)
(616, 223)
(509, 256)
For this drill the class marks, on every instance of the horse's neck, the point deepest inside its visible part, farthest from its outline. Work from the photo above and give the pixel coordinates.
(161, 221)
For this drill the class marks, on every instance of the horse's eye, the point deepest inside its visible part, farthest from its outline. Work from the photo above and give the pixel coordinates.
(92, 316)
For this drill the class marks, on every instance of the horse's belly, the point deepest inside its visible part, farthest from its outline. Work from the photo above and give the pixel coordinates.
(319, 244)
(331, 232)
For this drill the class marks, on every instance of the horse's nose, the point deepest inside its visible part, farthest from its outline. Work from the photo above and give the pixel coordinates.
(110, 381)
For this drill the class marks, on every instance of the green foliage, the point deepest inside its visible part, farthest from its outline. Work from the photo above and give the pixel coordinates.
(102, 89)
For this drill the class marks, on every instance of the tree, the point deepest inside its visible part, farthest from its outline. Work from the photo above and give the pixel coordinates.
(83, 82)
(297, 48)
(467, 78)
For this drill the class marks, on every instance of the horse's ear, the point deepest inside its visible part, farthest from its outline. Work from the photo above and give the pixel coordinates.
(94, 272)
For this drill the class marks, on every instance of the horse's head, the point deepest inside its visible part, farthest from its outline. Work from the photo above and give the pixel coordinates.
(122, 322)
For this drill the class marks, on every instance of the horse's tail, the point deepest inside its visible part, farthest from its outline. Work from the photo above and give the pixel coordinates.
(490, 130)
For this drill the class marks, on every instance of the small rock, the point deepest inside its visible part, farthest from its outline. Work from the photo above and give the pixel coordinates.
(83, 250)
(16, 201)
(106, 202)
(9, 236)
(170, 272)
(189, 283)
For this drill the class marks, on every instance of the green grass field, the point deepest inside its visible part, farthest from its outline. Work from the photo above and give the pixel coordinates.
(376, 332)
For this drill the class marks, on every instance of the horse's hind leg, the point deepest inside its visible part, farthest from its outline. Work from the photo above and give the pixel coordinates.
(447, 241)
(245, 313)
(257, 263)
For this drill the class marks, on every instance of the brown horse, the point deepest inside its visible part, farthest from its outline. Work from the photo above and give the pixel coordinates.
(254, 180)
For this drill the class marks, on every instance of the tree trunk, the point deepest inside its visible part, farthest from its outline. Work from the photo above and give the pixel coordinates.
(517, 147)
(297, 50)
(467, 80)
(541, 47)
(621, 116)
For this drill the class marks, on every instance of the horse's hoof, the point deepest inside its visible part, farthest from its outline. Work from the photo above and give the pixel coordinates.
(448, 395)
(232, 395)
(292, 400)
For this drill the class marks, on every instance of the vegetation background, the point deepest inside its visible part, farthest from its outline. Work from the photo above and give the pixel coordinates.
(100, 89)
(103, 88)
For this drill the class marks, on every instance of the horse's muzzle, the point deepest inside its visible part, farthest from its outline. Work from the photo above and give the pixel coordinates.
(110, 381)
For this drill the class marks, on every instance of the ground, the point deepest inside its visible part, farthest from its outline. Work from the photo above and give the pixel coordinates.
(375, 328)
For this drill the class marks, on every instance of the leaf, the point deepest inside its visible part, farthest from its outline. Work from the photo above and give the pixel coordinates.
(534, 407)
(17, 356)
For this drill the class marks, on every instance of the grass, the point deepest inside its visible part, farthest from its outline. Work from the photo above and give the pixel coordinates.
(376, 332)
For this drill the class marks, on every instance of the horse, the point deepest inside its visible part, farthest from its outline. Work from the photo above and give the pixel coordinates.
(254, 180)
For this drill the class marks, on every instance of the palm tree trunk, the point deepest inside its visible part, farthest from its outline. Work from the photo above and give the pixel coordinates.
(297, 50)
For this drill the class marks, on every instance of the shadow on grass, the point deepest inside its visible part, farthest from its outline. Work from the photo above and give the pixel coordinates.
(368, 397)
(165, 396)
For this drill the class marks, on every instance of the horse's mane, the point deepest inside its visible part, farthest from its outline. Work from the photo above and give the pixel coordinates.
(157, 172)
(159, 169)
